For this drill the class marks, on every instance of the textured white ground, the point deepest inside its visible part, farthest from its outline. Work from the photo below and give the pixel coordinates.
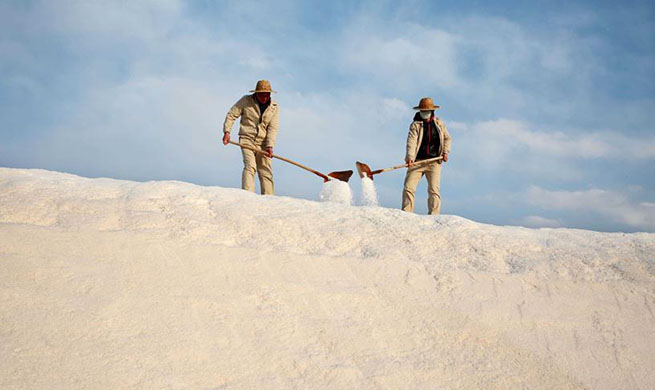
(108, 284)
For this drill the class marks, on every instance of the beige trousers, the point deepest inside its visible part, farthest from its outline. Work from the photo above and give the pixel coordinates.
(432, 172)
(256, 162)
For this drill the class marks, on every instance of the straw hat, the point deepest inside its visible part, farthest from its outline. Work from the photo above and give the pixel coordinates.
(426, 104)
(263, 86)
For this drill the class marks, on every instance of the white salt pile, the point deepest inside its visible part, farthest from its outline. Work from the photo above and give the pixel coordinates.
(369, 195)
(110, 284)
(336, 191)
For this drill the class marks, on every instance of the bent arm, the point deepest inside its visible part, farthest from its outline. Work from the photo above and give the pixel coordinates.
(446, 138)
(412, 139)
(232, 116)
(271, 131)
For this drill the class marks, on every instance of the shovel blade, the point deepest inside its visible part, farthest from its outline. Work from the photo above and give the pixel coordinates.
(341, 175)
(364, 170)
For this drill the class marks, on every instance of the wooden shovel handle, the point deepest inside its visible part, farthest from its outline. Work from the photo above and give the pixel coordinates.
(317, 173)
(421, 162)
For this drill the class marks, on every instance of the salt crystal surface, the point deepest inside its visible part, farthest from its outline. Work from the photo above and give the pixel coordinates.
(137, 257)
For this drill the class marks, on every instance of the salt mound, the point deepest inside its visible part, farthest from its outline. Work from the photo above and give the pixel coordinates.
(113, 284)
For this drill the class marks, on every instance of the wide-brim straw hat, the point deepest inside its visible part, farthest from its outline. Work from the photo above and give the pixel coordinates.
(426, 104)
(263, 86)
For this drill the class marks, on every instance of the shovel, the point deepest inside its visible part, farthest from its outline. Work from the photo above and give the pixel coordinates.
(365, 170)
(339, 175)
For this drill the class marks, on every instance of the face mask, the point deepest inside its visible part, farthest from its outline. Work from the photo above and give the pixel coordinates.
(425, 115)
(262, 97)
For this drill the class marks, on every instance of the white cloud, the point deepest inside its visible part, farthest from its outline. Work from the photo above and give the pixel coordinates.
(352, 126)
(611, 204)
(400, 58)
(474, 59)
(507, 137)
(459, 126)
(146, 126)
(535, 221)
(143, 20)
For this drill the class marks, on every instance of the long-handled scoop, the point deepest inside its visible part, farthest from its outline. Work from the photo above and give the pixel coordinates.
(339, 175)
(365, 170)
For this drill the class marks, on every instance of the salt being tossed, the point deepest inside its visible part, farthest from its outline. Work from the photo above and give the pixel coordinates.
(369, 195)
(336, 191)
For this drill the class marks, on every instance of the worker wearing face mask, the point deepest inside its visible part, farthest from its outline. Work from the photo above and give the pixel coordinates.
(428, 138)
(260, 119)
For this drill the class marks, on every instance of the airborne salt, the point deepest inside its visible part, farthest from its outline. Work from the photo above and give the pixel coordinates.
(336, 191)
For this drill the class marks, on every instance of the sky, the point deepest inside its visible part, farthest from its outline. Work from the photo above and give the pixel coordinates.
(550, 104)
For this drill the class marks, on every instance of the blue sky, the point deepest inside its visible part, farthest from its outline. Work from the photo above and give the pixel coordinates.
(550, 104)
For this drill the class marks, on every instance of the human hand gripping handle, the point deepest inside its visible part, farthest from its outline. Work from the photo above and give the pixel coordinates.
(444, 157)
(226, 140)
(339, 175)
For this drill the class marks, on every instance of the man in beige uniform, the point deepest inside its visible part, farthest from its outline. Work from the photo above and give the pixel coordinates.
(427, 138)
(260, 119)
